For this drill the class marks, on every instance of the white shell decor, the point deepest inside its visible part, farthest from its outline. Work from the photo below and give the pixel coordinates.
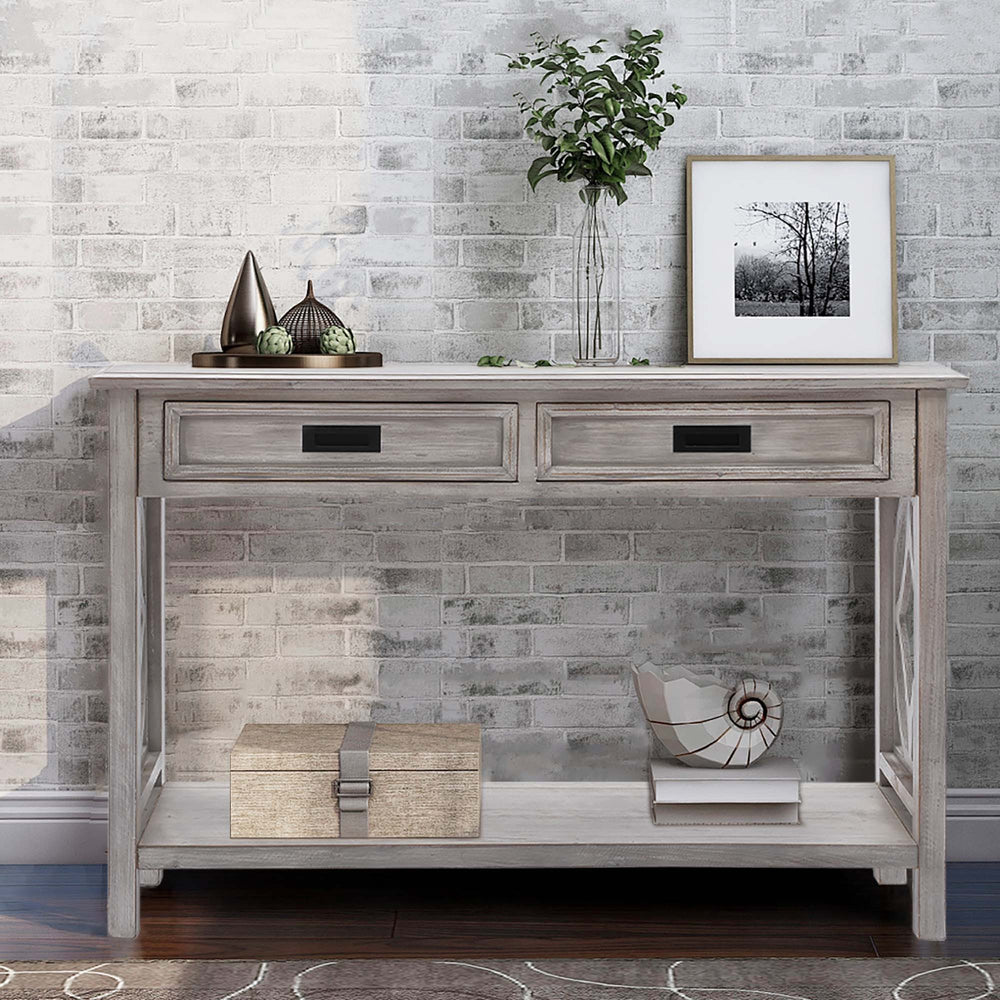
(704, 723)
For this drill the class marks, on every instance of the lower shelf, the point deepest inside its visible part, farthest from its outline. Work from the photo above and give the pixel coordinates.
(549, 825)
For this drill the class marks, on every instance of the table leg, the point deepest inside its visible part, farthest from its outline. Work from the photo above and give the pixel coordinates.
(124, 664)
(150, 878)
(930, 648)
(890, 876)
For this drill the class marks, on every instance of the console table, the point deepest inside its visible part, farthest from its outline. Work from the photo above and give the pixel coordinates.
(448, 432)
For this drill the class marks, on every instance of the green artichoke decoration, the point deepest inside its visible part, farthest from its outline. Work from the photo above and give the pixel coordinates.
(337, 340)
(274, 340)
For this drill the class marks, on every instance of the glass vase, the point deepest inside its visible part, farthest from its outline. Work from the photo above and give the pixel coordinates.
(596, 291)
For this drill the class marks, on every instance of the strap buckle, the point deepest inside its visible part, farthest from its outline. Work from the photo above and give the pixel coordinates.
(353, 787)
(346, 789)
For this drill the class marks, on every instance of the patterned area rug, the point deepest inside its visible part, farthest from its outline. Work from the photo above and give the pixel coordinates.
(557, 979)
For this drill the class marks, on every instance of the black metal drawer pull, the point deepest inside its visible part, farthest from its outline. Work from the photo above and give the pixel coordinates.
(712, 437)
(341, 437)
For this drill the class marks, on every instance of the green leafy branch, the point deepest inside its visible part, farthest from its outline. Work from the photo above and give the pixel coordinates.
(502, 361)
(596, 122)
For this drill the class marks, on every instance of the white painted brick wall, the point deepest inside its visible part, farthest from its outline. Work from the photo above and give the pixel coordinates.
(374, 147)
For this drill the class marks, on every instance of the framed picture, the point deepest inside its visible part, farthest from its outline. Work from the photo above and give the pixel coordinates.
(791, 259)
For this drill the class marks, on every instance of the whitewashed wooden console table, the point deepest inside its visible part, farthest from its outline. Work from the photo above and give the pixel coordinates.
(453, 432)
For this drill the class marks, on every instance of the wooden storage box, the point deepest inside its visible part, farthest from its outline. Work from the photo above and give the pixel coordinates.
(361, 780)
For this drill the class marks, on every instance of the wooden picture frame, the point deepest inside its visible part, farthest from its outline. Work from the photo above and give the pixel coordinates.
(718, 324)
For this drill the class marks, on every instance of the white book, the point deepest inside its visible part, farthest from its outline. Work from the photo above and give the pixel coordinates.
(725, 814)
(773, 780)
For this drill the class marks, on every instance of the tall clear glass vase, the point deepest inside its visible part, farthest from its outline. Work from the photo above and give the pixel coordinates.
(596, 290)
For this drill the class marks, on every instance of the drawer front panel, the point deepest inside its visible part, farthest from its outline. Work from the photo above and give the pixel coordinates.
(703, 441)
(468, 442)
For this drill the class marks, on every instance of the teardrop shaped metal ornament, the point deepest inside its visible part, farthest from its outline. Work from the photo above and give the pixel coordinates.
(250, 309)
(306, 320)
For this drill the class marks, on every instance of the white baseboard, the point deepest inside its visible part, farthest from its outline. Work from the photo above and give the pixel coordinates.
(40, 827)
(973, 824)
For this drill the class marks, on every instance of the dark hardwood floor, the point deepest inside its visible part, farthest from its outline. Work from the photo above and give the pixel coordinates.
(58, 913)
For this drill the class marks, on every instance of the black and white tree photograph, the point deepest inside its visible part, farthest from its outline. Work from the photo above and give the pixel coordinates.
(792, 259)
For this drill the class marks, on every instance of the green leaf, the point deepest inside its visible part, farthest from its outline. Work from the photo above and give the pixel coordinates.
(542, 176)
(598, 148)
(609, 146)
(635, 85)
(537, 166)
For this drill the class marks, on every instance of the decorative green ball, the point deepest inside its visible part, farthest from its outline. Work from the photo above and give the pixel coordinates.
(337, 340)
(274, 340)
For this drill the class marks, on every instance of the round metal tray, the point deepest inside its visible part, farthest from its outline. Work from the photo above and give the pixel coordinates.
(234, 359)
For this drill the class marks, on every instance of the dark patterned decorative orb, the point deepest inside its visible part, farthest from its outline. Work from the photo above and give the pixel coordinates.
(306, 321)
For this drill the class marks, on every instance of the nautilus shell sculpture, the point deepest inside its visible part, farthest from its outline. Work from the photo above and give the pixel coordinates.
(704, 723)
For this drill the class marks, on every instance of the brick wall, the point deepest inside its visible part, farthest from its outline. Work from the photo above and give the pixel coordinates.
(373, 147)
(522, 618)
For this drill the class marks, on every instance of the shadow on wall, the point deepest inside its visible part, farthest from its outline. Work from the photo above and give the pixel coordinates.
(524, 618)
(53, 639)
(550, 19)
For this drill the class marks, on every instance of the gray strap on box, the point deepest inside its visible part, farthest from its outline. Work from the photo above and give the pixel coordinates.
(354, 788)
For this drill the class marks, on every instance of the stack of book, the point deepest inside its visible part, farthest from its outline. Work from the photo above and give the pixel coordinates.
(766, 792)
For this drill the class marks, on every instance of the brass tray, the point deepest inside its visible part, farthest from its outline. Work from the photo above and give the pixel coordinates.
(234, 359)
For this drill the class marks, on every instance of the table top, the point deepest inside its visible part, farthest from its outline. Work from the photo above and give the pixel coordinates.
(908, 375)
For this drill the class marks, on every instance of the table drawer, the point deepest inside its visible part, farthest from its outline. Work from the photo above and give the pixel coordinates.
(640, 441)
(340, 441)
